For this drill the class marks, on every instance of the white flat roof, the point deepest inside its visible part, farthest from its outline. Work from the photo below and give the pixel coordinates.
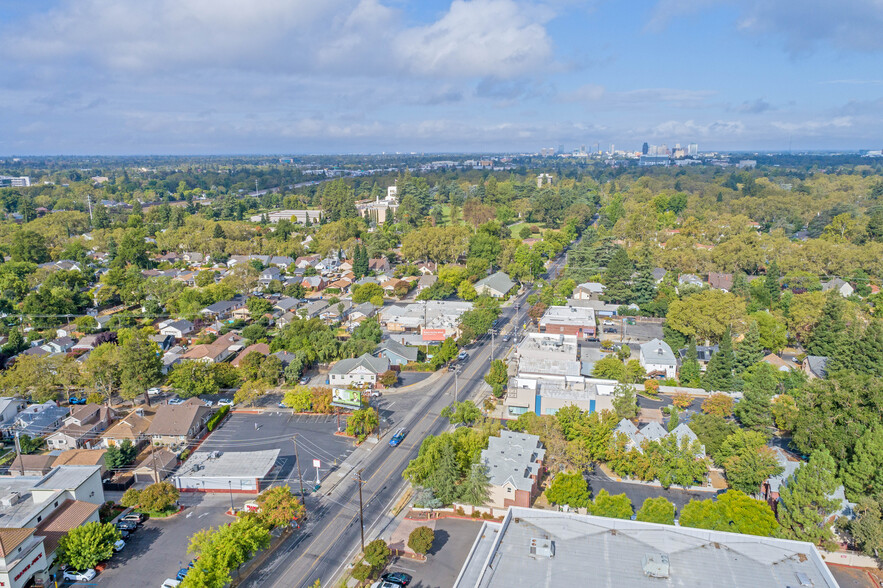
(229, 464)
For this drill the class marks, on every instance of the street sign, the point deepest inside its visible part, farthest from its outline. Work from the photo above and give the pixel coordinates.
(317, 463)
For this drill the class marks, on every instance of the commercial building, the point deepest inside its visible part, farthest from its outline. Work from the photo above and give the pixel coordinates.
(549, 548)
(295, 216)
(435, 320)
(569, 320)
(15, 182)
(227, 471)
(358, 371)
(545, 396)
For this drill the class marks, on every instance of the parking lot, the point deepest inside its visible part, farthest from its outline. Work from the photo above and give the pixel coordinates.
(271, 430)
(158, 549)
(453, 541)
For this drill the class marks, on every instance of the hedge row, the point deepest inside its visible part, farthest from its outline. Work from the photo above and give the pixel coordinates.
(217, 418)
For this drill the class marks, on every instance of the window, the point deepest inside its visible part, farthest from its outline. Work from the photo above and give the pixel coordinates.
(509, 489)
(56, 504)
(39, 518)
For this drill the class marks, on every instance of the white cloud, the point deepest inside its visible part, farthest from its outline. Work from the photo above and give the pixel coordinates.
(813, 127)
(719, 129)
(477, 38)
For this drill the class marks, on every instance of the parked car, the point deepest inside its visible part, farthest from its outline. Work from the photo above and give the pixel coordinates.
(375, 393)
(399, 578)
(463, 356)
(385, 584)
(397, 438)
(610, 330)
(118, 545)
(505, 338)
(209, 402)
(225, 402)
(135, 517)
(176, 401)
(170, 583)
(124, 534)
(304, 381)
(154, 391)
(79, 576)
(127, 526)
(75, 400)
(608, 323)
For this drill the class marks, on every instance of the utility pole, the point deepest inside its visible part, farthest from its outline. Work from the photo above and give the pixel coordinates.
(299, 477)
(255, 186)
(155, 474)
(21, 462)
(456, 385)
(361, 513)
(89, 202)
(492, 344)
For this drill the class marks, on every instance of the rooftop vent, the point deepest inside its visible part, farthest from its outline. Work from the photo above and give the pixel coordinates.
(655, 565)
(542, 548)
(804, 579)
(10, 499)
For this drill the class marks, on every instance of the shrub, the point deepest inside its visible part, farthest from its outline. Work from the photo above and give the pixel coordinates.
(362, 571)
(377, 553)
(682, 400)
(420, 540)
(130, 497)
(158, 497)
(651, 387)
(217, 417)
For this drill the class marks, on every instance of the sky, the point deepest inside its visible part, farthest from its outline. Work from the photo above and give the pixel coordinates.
(117, 77)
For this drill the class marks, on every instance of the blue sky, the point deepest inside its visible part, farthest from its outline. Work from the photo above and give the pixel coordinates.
(322, 76)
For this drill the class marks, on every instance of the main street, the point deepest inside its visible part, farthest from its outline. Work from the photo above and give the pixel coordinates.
(332, 534)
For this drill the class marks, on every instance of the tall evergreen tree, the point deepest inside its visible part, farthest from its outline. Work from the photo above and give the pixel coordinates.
(773, 286)
(617, 278)
(443, 480)
(474, 489)
(760, 384)
(690, 372)
(868, 352)
(719, 373)
(829, 335)
(863, 475)
(219, 232)
(740, 285)
(750, 350)
(644, 288)
(804, 503)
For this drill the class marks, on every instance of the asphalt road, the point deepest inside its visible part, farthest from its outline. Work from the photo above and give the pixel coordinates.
(331, 536)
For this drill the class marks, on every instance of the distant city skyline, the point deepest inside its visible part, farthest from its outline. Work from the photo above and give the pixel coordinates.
(115, 77)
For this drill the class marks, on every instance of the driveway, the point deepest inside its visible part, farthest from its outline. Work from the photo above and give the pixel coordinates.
(158, 549)
(408, 378)
(638, 493)
(453, 540)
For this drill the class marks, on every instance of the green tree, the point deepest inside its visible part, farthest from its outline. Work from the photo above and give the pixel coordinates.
(718, 404)
(625, 402)
(497, 377)
(366, 292)
(250, 392)
(616, 507)
(85, 546)
(772, 333)
(772, 282)
(140, 365)
(224, 549)
(747, 460)
(29, 246)
(158, 497)
(644, 286)
(719, 373)
(258, 307)
(569, 488)
(617, 278)
(706, 315)
(690, 372)
(712, 430)
(475, 488)
(863, 475)
(760, 383)
(829, 335)
(377, 553)
(804, 503)
(732, 511)
(361, 423)
(443, 480)
(299, 398)
(462, 412)
(610, 368)
(420, 540)
(279, 506)
(657, 510)
(750, 350)
(867, 527)
(130, 497)
(119, 456)
(193, 378)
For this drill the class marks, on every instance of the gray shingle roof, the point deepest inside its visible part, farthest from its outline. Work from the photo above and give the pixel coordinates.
(403, 351)
(512, 458)
(376, 365)
(498, 282)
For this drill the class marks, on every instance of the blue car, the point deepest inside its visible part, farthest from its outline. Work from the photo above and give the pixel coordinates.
(74, 400)
(397, 438)
(183, 571)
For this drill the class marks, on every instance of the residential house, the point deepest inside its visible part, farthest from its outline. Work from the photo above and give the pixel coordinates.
(514, 466)
(83, 457)
(178, 424)
(341, 284)
(216, 351)
(241, 313)
(690, 280)
(496, 285)
(435, 320)
(261, 348)
(164, 342)
(268, 275)
(362, 311)
(313, 283)
(286, 304)
(360, 371)
(379, 265)
(390, 286)
(426, 281)
(396, 353)
(222, 309)
(313, 309)
(569, 320)
(10, 408)
(815, 366)
(720, 281)
(286, 357)
(282, 261)
(156, 466)
(177, 329)
(38, 420)
(427, 268)
(306, 261)
(336, 312)
(327, 265)
(703, 354)
(82, 428)
(133, 428)
(59, 345)
(588, 291)
(781, 364)
(838, 285)
(31, 465)
(771, 488)
(172, 357)
(285, 319)
(654, 431)
(658, 274)
(658, 360)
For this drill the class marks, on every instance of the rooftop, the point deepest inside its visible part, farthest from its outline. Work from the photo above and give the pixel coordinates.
(576, 315)
(546, 548)
(512, 458)
(229, 464)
